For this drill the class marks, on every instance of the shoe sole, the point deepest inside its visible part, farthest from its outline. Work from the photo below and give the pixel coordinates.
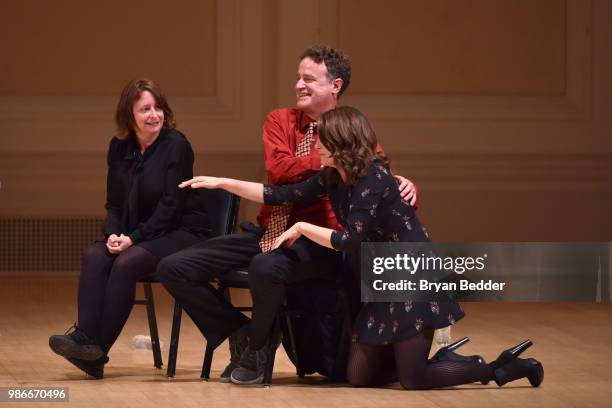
(228, 373)
(69, 349)
(258, 380)
(95, 373)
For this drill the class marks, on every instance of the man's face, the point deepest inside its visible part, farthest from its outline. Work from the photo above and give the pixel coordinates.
(315, 93)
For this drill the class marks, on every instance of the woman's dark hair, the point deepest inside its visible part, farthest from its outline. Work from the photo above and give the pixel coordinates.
(351, 141)
(124, 116)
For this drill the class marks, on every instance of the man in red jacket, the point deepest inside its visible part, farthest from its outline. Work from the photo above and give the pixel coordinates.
(289, 137)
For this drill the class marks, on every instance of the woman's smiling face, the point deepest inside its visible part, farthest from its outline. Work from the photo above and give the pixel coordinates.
(149, 117)
(324, 154)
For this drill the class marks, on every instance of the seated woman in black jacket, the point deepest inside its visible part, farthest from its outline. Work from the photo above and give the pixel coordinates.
(148, 218)
(388, 340)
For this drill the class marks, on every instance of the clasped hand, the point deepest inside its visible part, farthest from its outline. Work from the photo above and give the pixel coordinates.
(117, 244)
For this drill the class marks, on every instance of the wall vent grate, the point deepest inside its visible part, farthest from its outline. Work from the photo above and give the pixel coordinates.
(46, 244)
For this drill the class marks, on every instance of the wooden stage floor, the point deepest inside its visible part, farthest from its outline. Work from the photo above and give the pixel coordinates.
(572, 340)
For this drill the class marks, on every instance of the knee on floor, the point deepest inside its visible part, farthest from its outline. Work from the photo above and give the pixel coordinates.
(411, 383)
(359, 380)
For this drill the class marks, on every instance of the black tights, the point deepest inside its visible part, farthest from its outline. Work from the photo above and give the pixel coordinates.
(407, 360)
(107, 288)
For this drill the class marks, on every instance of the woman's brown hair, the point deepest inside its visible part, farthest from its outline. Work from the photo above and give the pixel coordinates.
(351, 141)
(124, 116)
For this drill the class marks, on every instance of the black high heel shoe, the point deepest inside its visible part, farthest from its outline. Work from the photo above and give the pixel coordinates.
(508, 355)
(529, 368)
(448, 354)
(508, 367)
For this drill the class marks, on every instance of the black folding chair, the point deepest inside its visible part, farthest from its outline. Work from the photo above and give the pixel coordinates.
(222, 210)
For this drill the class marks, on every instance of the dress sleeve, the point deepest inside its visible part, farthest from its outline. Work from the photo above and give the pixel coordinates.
(308, 191)
(281, 164)
(113, 203)
(367, 195)
(172, 202)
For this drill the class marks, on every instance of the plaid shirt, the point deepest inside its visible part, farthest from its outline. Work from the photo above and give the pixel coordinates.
(282, 131)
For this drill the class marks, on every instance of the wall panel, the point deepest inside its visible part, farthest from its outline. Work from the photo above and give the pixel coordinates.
(504, 145)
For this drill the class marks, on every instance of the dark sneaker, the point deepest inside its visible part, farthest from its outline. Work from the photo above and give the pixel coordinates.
(76, 344)
(227, 372)
(251, 367)
(238, 342)
(94, 369)
(252, 364)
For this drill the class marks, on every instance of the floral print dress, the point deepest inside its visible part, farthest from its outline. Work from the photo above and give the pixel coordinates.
(372, 210)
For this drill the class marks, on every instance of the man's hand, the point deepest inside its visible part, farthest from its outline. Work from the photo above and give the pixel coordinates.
(408, 190)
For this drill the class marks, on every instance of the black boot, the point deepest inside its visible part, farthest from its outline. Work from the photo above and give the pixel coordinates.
(508, 367)
(448, 353)
(529, 368)
(76, 344)
(508, 355)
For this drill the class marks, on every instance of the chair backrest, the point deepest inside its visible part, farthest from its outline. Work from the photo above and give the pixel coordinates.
(222, 210)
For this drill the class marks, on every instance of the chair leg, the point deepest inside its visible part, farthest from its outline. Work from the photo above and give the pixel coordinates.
(174, 339)
(275, 340)
(208, 355)
(157, 358)
(299, 371)
(347, 324)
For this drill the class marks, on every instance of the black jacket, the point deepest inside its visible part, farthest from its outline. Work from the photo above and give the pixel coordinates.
(143, 200)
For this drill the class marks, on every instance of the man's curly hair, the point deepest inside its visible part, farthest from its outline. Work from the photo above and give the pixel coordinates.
(337, 63)
(351, 141)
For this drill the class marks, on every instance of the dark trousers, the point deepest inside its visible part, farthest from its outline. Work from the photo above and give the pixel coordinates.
(107, 287)
(107, 284)
(187, 275)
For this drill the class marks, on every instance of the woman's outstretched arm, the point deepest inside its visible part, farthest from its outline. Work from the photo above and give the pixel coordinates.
(245, 189)
(307, 191)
